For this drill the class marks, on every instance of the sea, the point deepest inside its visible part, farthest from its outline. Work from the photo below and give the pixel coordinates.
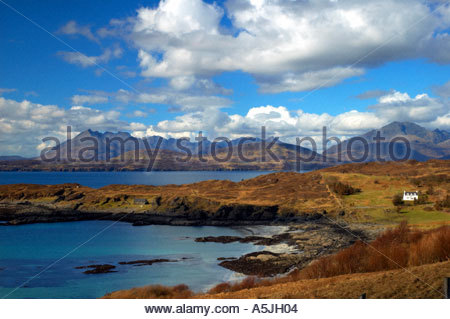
(43, 260)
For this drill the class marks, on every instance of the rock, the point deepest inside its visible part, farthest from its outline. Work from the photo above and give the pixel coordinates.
(218, 239)
(145, 262)
(97, 269)
(226, 258)
(261, 263)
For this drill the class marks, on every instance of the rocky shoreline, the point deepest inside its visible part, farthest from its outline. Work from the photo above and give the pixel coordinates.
(308, 236)
(295, 248)
(19, 213)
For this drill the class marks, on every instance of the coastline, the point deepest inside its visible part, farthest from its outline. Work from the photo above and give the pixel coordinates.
(302, 239)
(29, 213)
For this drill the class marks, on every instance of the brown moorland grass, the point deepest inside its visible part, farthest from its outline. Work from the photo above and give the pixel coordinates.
(332, 190)
(152, 292)
(396, 248)
(424, 281)
(401, 247)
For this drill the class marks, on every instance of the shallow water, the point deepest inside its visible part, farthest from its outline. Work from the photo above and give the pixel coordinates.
(28, 250)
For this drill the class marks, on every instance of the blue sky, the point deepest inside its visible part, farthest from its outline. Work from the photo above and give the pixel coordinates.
(226, 67)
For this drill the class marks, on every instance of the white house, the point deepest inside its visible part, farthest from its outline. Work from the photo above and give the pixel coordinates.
(410, 195)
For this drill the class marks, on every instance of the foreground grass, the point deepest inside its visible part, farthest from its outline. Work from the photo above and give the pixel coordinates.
(415, 282)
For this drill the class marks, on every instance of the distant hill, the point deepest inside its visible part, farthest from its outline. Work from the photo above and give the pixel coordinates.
(124, 148)
(425, 144)
(12, 158)
(123, 142)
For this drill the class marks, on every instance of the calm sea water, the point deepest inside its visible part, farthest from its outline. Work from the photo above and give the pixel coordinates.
(28, 250)
(41, 258)
(100, 179)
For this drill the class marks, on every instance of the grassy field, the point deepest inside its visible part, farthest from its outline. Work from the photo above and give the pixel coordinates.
(374, 202)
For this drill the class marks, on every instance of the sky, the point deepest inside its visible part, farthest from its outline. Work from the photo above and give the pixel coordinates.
(176, 67)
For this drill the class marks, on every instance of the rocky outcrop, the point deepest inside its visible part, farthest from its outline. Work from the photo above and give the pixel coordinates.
(146, 262)
(299, 246)
(97, 269)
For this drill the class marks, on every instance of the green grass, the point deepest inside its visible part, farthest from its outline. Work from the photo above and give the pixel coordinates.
(412, 214)
(374, 203)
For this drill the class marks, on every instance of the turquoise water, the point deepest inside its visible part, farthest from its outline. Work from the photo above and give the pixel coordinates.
(99, 179)
(27, 250)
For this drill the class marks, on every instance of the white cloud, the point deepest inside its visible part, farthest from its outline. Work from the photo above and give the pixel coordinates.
(72, 28)
(285, 45)
(398, 106)
(279, 121)
(178, 100)
(89, 99)
(24, 124)
(307, 81)
(87, 61)
(138, 113)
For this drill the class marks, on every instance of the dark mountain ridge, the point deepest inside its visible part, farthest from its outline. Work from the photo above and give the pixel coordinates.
(424, 144)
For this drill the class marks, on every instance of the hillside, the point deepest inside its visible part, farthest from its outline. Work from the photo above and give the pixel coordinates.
(267, 197)
(384, 284)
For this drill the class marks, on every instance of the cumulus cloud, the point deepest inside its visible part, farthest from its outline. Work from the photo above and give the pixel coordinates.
(24, 124)
(287, 124)
(285, 45)
(398, 106)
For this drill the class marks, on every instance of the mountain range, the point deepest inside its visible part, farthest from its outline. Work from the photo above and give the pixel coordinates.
(424, 144)
(130, 153)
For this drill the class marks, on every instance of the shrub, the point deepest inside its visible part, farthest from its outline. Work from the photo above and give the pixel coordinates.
(396, 248)
(343, 189)
(397, 200)
(423, 199)
(430, 180)
(222, 287)
(430, 190)
(445, 203)
(247, 283)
